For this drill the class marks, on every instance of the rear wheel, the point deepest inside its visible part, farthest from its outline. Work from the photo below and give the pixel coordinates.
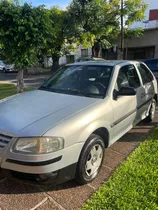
(90, 160)
(152, 111)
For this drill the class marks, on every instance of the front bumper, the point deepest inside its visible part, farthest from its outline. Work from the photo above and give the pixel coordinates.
(52, 168)
(54, 178)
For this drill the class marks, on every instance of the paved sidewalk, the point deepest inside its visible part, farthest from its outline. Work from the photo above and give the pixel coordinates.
(70, 196)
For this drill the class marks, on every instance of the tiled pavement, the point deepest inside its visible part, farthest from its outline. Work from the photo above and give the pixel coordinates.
(70, 196)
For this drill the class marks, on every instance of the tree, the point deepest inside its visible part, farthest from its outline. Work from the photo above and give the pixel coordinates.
(99, 20)
(130, 11)
(22, 30)
(59, 41)
(96, 21)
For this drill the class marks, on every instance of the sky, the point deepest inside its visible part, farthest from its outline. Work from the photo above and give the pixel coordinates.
(152, 4)
(49, 3)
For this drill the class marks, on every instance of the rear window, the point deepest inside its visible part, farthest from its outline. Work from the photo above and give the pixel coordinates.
(145, 73)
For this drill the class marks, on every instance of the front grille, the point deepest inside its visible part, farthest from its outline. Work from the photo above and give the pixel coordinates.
(4, 140)
(24, 176)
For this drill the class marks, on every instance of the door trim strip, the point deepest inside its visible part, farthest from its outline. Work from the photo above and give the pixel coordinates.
(130, 113)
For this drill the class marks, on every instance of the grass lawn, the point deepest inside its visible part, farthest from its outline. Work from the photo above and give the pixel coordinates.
(7, 90)
(134, 185)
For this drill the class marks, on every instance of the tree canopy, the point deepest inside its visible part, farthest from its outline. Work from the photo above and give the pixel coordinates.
(99, 21)
(22, 30)
(58, 42)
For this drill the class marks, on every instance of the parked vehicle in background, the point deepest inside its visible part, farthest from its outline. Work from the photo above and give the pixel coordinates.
(6, 68)
(2, 65)
(83, 59)
(152, 64)
(60, 131)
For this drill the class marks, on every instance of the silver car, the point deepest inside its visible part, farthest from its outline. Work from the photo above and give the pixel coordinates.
(60, 131)
(6, 68)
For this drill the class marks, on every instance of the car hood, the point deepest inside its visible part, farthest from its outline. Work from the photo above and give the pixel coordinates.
(18, 113)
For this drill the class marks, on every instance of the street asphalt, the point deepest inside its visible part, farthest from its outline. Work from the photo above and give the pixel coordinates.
(33, 81)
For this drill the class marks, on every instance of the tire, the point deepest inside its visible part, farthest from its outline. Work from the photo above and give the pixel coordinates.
(152, 111)
(91, 159)
(4, 70)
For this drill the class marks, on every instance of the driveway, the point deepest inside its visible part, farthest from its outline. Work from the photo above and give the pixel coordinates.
(33, 81)
(70, 196)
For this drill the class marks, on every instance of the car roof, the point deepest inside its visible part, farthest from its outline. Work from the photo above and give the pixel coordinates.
(103, 63)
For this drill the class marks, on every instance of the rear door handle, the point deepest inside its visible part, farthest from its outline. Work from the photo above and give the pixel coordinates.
(142, 95)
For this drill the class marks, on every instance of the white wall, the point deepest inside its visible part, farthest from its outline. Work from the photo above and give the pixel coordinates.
(48, 62)
(78, 51)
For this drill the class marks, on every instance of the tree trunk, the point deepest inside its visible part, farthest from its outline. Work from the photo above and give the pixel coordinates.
(20, 81)
(96, 51)
(93, 51)
(119, 55)
(55, 63)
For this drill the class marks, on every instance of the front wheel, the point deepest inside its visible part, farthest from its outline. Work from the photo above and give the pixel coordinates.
(90, 160)
(152, 111)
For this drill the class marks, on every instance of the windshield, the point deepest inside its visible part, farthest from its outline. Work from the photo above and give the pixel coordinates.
(85, 80)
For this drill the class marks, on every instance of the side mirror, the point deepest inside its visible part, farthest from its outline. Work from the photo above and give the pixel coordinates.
(125, 91)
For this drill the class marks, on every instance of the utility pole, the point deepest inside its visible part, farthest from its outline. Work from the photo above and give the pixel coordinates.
(122, 32)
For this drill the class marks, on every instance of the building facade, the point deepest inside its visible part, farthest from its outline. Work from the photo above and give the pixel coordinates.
(145, 46)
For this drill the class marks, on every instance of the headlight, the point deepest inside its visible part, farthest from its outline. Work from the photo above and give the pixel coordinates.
(41, 145)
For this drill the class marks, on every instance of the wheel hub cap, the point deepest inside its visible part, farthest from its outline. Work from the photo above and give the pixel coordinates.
(94, 160)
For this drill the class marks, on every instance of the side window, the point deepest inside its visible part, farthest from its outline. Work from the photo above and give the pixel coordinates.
(145, 73)
(128, 77)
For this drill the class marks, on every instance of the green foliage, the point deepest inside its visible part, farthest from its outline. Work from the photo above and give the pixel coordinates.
(94, 20)
(22, 30)
(129, 33)
(28, 33)
(134, 11)
(97, 22)
(59, 41)
(134, 184)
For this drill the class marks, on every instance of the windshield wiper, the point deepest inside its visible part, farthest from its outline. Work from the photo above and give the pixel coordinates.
(77, 92)
(69, 91)
(49, 89)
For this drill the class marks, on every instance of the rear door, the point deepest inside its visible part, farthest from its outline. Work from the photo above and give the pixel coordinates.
(125, 107)
(148, 87)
